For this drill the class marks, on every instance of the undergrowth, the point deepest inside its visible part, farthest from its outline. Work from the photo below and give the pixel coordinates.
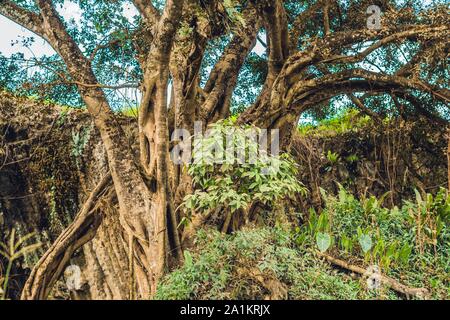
(227, 266)
(12, 250)
(410, 244)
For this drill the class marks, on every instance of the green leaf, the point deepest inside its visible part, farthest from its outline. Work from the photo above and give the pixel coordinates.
(188, 262)
(366, 242)
(404, 254)
(323, 241)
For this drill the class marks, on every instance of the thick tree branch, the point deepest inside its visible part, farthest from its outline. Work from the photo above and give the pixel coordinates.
(150, 14)
(303, 90)
(223, 78)
(275, 23)
(419, 107)
(154, 132)
(329, 49)
(422, 31)
(78, 65)
(135, 199)
(391, 283)
(326, 17)
(426, 53)
(24, 17)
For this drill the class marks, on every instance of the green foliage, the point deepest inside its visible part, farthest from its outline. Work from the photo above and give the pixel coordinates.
(365, 241)
(317, 223)
(234, 184)
(233, 12)
(227, 267)
(323, 241)
(362, 231)
(130, 111)
(109, 22)
(333, 158)
(349, 120)
(412, 241)
(185, 30)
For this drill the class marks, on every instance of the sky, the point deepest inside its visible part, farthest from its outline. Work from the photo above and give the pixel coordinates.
(12, 33)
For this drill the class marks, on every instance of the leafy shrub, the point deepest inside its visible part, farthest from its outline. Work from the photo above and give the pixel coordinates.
(226, 267)
(360, 231)
(234, 184)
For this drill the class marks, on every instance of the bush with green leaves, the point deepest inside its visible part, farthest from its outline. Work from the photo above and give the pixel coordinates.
(224, 180)
(362, 231)
(412, 242)
(227, 266)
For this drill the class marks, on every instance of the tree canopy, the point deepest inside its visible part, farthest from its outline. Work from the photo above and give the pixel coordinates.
(109, 34)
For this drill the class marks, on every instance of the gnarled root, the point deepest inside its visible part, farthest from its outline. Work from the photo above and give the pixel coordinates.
(83, 229)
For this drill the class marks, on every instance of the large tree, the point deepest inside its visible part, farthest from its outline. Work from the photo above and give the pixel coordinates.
(315, 51)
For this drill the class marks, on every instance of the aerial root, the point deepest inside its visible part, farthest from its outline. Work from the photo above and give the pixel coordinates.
(83, 229)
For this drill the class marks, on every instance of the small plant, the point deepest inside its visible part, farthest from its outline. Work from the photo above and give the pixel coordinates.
(13, 250)
(185, 31)
(430, 216)
(346, 243)
(332, 157)
(323, 241)
(130, 111)
(365, 241)
(318, 223)
(352, 158)
(233, 12)
(62, 117)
